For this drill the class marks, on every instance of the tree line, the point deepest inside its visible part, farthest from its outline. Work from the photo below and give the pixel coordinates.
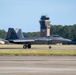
(67, 31)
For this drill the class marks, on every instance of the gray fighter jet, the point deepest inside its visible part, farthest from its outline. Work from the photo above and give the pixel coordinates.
(18, 38)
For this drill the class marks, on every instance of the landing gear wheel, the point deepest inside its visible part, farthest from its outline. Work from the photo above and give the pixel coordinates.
(29, 45)
(50, 47)
(25, 46)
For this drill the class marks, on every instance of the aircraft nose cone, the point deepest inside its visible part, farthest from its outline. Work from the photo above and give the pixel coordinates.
(69, 40)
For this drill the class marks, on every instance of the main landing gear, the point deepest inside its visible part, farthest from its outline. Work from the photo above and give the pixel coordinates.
(50, 47)
(27, 46)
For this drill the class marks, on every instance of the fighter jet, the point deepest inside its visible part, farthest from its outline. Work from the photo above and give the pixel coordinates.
(17, 37)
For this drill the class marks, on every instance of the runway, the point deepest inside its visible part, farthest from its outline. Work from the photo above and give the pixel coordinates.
(37, 65)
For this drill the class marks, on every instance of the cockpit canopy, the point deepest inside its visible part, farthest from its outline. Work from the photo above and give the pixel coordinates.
(56, 36)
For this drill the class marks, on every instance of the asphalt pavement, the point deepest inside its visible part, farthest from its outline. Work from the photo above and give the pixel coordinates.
(37, 65)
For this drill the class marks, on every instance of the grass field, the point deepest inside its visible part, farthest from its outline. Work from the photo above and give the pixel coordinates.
(38, 50)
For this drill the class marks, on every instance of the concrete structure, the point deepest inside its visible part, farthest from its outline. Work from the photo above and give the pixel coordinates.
(44, 26)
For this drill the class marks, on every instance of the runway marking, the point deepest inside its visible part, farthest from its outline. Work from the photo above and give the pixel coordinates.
(38, 59)
(18, 70)
(37, 69)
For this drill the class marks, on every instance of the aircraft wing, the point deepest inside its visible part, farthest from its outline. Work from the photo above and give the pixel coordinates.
(23, 40)
(43, 39)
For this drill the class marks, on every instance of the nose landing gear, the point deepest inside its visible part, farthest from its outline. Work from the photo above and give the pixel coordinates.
(50, 47)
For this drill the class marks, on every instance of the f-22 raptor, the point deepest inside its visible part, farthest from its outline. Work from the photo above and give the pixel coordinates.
(17, 37)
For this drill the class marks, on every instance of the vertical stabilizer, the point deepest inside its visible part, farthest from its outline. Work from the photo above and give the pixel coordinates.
(11, 34)
(19, 33)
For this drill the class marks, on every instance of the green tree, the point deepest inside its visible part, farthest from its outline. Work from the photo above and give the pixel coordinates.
(2, 34)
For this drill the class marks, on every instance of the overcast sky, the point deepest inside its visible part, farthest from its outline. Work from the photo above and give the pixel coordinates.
(25, 14)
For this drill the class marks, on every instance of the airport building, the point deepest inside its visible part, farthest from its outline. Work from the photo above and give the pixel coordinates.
(44, 26)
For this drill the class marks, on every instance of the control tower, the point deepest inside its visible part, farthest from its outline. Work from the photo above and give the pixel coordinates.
(44, 26)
